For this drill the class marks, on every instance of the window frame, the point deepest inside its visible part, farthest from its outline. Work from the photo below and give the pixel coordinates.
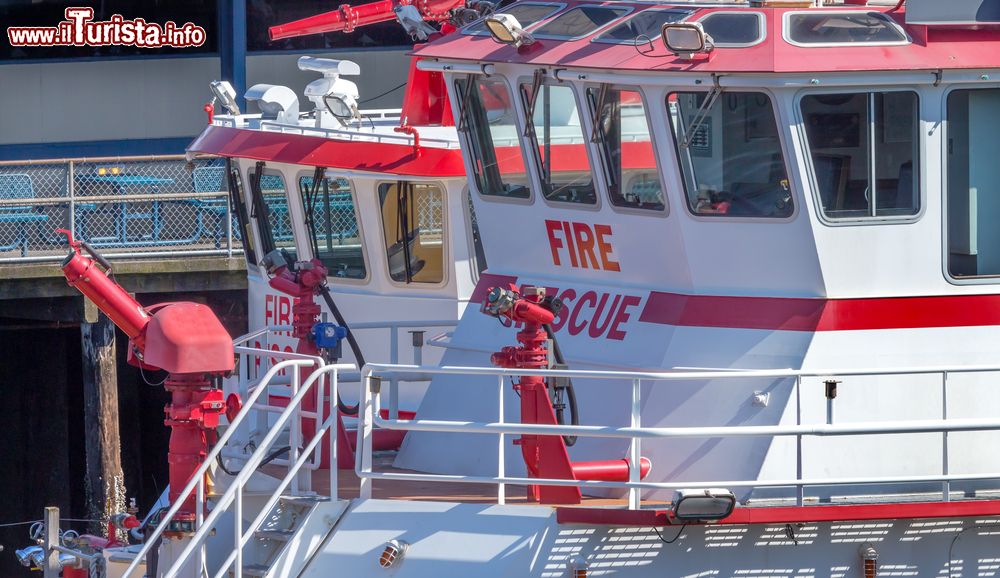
(446, 257)
(761, 28)
(467, 209)
(532, 144)
(810, 170)
(558, 7)
(357, 218)
(605, 170)
(945, 177)
(786, 19)
(466, 138)
(560, 37)
(784, 143)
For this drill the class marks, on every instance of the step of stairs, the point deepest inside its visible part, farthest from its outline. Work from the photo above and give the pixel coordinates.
(276, 535)
(255, 570)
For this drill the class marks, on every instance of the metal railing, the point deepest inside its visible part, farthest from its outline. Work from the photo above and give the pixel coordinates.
(635, 432)
(126, 206)
(289, 420)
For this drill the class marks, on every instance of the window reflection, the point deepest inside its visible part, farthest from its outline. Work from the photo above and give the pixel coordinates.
(489, 118)
(973, 183)
(730, 154)
(627, 148)
(413, 227)
(332, 225)
(864, 149)
(557, 135)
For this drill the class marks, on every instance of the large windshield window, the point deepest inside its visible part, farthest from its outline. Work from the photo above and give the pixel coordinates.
(488, 118)
(974, 183)
(864, 150)
(270, 210)
(557, 135)
(332, 224)
(413, 226)
(622, 131)
(730, 154)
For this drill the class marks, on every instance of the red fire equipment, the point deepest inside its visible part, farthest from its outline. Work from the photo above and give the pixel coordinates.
(186, 340)
(303, 281)
(545, 456)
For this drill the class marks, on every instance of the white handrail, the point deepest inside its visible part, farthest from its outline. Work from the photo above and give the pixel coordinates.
(309, 449)
(249, 468)
(198, 478)
(370, 418)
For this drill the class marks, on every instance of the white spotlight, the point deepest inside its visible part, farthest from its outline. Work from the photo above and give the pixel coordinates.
(685, 39)
(332, 95)
(505, 29)
(226, 95)
(703, 505)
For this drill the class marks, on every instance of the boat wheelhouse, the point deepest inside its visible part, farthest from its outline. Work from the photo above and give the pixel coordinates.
(747, 244)
(383, 204)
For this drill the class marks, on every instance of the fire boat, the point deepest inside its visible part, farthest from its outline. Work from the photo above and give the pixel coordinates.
(740, 316)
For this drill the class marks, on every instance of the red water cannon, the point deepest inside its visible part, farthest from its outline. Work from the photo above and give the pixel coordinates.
(545, 456)
(347, 18)
(184, 339)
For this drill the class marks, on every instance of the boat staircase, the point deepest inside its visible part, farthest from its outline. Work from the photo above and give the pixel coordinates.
(275, 520)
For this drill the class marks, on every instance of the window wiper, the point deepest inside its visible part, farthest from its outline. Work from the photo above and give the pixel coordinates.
(260, 210)
(598, 111)
(311, 198)
(536, 85)
(463, 123)
(699, 118)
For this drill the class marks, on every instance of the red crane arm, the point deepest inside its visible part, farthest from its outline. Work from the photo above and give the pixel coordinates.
(346, 18)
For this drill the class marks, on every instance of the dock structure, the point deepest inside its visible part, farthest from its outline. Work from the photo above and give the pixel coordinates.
(163, 247)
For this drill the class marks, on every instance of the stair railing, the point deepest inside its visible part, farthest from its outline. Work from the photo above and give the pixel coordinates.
(197, 481)
(233, 497)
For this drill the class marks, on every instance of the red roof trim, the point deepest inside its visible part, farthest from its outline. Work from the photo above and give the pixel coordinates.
(312, 151)
(930, 50)
(786, 514)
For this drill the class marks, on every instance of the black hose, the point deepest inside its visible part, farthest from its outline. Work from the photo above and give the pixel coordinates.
(270, 458)
(355, 348)
(574, 414)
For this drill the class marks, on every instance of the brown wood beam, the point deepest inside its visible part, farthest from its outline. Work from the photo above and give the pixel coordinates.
(105, 483)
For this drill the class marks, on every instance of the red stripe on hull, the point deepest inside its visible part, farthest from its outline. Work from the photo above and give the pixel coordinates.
(801, 314)
(786, 515)
(393, 159)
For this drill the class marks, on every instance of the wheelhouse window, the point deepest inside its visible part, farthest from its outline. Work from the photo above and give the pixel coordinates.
(413, 227)
(730, 154)
(556, 132)
(643, 27)
(526, 13)
(270, 210)
(488, 120)
(817, 28)
(580, 21)
(865, 153)
(973, 183)
(733, 28)
(332, 225)
(621, 130)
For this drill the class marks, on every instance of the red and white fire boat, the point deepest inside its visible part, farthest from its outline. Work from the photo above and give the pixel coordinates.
(741, 315)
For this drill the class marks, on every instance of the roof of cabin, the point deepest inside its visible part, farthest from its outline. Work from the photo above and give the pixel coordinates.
(928, 48)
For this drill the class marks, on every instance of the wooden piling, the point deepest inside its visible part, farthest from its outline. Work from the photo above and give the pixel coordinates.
(105, 483)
